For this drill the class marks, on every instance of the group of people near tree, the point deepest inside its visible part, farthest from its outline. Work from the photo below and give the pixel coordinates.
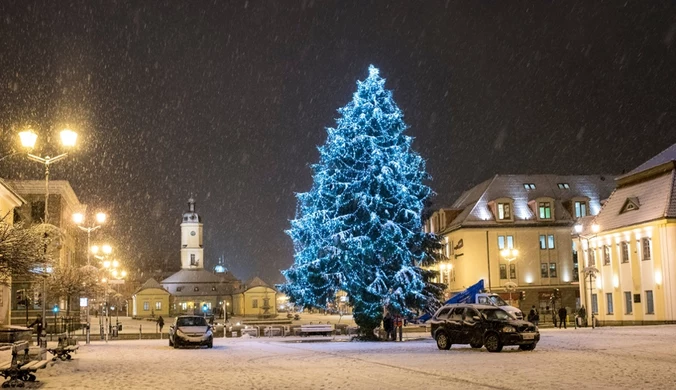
(390, 325)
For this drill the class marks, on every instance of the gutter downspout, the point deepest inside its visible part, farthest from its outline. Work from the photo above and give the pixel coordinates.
(488, 261)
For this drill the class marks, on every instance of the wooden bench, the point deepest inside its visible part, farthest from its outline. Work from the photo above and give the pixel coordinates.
(320, 329)
(64, 349)
(21, 368)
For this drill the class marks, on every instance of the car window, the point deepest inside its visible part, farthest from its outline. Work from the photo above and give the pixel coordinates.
(496, 314)
(443, 313)
(470, 313)
(456, 314)
(191, 321)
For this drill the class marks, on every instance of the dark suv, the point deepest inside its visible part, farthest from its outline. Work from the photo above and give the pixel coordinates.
(481, 325)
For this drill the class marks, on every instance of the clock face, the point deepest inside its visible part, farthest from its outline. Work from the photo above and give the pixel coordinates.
(192, 233)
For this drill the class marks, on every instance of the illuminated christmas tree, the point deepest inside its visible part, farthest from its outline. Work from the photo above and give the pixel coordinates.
(359, 227)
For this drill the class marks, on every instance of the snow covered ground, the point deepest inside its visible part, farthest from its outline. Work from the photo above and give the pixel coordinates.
(602, 358)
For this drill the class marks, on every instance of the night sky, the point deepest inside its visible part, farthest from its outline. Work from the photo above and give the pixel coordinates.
(228, 100)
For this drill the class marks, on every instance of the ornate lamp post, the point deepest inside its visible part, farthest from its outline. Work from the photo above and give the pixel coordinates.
(114, 276)
(590, 271)
(509, 254)
(28, 139)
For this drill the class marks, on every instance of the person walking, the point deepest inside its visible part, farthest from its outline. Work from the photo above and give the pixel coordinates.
(563, 313)
(388, 323)
(38, 324)
(534, 316)
(160, 323)
(582, 313)
(554, 318)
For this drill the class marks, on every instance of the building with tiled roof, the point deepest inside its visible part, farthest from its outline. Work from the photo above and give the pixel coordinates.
(195, 290)
(630, 247)
(533, 214)
(150, 297)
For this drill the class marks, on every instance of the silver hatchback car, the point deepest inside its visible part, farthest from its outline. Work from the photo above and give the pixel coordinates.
(190, 330)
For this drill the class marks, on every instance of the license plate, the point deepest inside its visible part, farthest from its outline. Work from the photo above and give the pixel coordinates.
(528, 336)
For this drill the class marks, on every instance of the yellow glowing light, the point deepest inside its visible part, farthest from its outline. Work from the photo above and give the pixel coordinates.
(106, 264)
(28, 138)
(78, 218)
(101, 217)
(658, 277)
(107, 249)
(68, 137)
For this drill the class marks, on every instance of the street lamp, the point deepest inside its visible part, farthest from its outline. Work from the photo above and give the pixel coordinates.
(590, 271)
(79, 218)
(28, 139)
(509, 254)
(114, 276)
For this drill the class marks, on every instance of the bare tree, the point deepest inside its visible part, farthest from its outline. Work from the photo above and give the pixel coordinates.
(70, 282)
(26, 250)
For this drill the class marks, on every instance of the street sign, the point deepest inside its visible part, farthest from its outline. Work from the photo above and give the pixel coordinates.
(116, 281)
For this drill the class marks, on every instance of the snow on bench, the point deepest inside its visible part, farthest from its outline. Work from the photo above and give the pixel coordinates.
(323, 329)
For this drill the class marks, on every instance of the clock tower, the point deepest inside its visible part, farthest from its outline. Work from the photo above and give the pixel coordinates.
(192, 251)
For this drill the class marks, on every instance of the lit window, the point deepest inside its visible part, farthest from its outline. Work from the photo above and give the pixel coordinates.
(545, 209)
(645, 245)
(564, 186)
(529, 186)
(580, 209)
(649, 304)
(609, 302)
(510, 242)
(552, 270)
(592, 258)
(505, 242)
(158, 305)
(213, 288)
(504, 211)
(550, 241)
(544, 270)
(543, 241)
(179, 288)
(628, 303)
(625, 251)
(503, 271)
(193, 260)
(146, 306)
(512, 271)
(254, 303)
(606, 255)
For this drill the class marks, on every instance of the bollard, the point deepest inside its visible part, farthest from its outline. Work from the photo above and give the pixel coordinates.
(140, 331)
(87, 339)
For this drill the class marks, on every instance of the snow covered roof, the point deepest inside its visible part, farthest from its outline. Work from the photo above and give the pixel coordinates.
(198, 282)
(252, 283)
(645, 194)
(11, 193)
(522, 189)
(664, 159)
(150, 283)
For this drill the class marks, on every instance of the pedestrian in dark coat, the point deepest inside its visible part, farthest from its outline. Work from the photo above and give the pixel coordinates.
(388, 324)
(563, 313)
(160, 323)
(38, 324)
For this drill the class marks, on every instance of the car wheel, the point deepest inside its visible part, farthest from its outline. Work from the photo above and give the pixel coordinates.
(492, 343)
(476, 345)
(527, 347)
(443, 342)
(171, 343)
(175, 345)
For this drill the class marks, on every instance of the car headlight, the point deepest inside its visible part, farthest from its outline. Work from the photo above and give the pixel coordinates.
(179, 333)
(508, 329)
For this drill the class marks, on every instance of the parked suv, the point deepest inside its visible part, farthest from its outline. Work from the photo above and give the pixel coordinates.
(481, 325)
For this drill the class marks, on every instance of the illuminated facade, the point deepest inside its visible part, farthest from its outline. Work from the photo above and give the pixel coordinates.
(534, 215)
(634, 247)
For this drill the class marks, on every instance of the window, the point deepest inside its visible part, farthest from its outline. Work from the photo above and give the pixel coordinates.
(645, 246)
(606, 255)
(592, 257)
(576, 267)
(158, 305)
(609, 302)
(456, 314)
(254, 303)
(146, 306)
(595, 304)
(37, 211)
(504, 211)
(552, 270)
(443, 313)
(503, 271)
(529, 186)
(196, 289)
(179, 288)
(184, 306)
(649, 304)
(505, 242)
(545, 210)
(628, 303)
(512, 271)
(624, 246)
(563, 186)
(550, 241)
(543, 241)
(544, 271)
(193, 260)
(580, 209)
